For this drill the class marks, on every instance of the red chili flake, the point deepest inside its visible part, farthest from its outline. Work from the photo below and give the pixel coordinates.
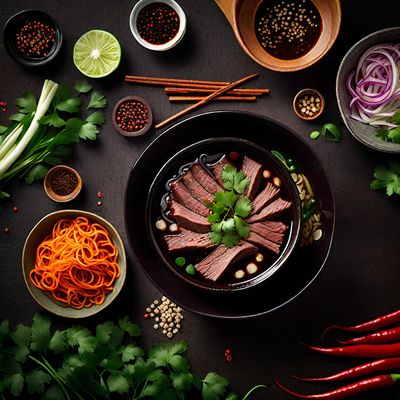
(6, 229)
(99, 195)
(146, 316)
(15, 209)
(99, 203)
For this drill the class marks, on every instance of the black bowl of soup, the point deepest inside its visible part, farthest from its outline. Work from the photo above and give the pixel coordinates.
(223, 214)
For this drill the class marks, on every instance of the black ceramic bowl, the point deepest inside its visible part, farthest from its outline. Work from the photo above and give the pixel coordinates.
(219, 147)
(362, 132)
(15, 23)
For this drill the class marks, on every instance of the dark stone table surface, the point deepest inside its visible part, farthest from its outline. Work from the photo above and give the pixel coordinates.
(361, 277)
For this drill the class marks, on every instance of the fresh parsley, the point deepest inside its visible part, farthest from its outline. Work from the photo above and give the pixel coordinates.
(229, 209)
(392, 134)
(97, 100)
(77, 364)
(387, 178)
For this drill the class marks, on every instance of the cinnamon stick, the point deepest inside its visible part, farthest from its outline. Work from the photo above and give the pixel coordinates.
(172, 91)
(190, 99)
(218, 92)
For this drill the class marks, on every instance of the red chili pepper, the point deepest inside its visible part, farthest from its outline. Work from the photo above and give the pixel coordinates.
(384, 364)
(361, 350)
(376, 382)
(388, 335)
(380, 322)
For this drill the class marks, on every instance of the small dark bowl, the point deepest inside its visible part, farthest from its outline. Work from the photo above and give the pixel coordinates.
(9, 37)
(133, 133)
(214, 146)
(362, 132)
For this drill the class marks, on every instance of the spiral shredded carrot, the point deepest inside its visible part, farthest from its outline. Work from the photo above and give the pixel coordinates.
(76, 263)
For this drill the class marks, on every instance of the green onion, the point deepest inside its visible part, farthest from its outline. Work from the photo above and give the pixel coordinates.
(180, 261)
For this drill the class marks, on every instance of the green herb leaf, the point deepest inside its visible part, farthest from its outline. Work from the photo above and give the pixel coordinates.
(182, 382)
(16, 383)
(396, 118)
(36, 381)
(169, 355)
(215, 237)
(382, 134)
(58, 342)
(36, 173)
(88, 132)
(26, 103)
(243, 207)
(228, 199)
(83, 86)
(103, 332)
(130, 328)
(130, 352)
(54, 392)
(388, 178)
(242, 228)
(232, 396)
(40, 333)
(315, 135)
(96, 118)
(394, 135)
(230, 239)
(71, 105)
(81, 337)
(228, 226)
(16, 117)
(214, 386)
(21, 337)
(331, 133)
(4, 195)
(234, 180)
(2, 129)
(52, 120)
(97, 100)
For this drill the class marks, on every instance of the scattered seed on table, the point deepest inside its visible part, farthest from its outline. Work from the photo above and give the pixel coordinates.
(99, 203)
(15, 209)
(6, 229)
(99, 195)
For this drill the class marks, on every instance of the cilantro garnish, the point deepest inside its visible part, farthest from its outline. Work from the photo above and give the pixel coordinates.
(387, 178)
(392, 134)
(229, 208)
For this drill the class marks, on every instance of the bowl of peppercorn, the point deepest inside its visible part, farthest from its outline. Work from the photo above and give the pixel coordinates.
(62, 183)
(158, 24)
(132, 116)
(32, 38)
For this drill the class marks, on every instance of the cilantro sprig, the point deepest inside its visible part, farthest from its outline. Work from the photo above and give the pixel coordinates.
(392, 134)
(229, 209)
(76, 363)
(387, 178)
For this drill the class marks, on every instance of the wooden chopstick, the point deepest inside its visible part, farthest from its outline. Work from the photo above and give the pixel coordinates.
(220, 91)
(172, 91)
(190, 99)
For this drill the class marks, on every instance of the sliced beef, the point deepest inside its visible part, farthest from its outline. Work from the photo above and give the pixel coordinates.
(216, 263)
(195, 189)
(188, 219)
(217, 170)
(260, 241)
(253, 171)
(182, 195)
(271, 210)
(205, 179)
(271, 230)
(264, 197)
(188, 240)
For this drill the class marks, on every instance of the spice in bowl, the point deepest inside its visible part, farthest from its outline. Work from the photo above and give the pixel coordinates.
(158, 23)
(287, 29)
(62, 183)
(308, 104)
(132, 116)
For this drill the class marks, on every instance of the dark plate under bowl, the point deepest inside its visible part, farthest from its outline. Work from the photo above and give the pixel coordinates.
(221, 146)
(301, 268)
(15, 23)
(364, 133)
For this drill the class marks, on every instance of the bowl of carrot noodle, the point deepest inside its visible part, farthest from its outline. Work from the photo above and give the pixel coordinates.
(74, 263)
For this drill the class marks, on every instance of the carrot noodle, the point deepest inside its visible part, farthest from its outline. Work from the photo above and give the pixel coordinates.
(76, 263)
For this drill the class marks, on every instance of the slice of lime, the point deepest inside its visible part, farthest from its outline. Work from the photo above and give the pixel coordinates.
(97, 53)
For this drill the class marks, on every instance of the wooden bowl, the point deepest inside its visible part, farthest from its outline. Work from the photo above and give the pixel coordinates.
(241, 15)
(36, 236)
(48, 188)
(310, 92)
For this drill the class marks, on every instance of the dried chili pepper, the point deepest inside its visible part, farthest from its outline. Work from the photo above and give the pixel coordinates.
(380, 322)
(384, 364)
(388, 335)
(361, 350)
(376, 382)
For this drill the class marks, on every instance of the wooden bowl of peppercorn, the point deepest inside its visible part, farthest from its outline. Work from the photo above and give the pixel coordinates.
(62, 183)
(132, 116)
(282, 35)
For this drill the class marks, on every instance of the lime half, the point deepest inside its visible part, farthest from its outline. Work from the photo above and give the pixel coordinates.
(97, 53)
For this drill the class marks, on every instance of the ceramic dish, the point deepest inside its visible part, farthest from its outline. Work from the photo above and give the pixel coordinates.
(35, 237)
(49, 189)
(311, 93)
(241, 14)
(11, 46)
(159, 47)
(364, 133)
(224, 146)
(286, 284)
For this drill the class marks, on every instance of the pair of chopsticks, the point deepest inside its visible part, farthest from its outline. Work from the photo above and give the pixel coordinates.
(215, 88)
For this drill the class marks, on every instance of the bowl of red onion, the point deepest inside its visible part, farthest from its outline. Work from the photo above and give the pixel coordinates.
(368, 90)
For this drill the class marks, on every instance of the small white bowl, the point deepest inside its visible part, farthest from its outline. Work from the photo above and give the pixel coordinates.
(157, 47)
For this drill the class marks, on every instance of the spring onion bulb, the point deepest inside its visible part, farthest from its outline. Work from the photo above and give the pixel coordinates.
(374, 86)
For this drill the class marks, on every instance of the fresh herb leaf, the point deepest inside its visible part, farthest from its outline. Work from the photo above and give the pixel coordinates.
(215, 237)
(396, 118)
(97, 100)
(58, 342)
(2, 129)
(36, 173)
(103, 332)
(331, 133)
(169, 355)
(228, 226)
(83, 86)
(22, 338)
(81, 337)
(182, 382)
(17, 117)
(230, 239)
(130, 328)
(234, 180)
(388, 178)
(40, 333)
(4, 195)
(26, 103)
(52, 120)
(36, 381)
(227, 199)
(214, 386)
(88, 132)
(16, 383)
(243, 207)
(315, 134)
(242, 228)
(54, 392)
(130, 352)
(96, 118)
(71, 105)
